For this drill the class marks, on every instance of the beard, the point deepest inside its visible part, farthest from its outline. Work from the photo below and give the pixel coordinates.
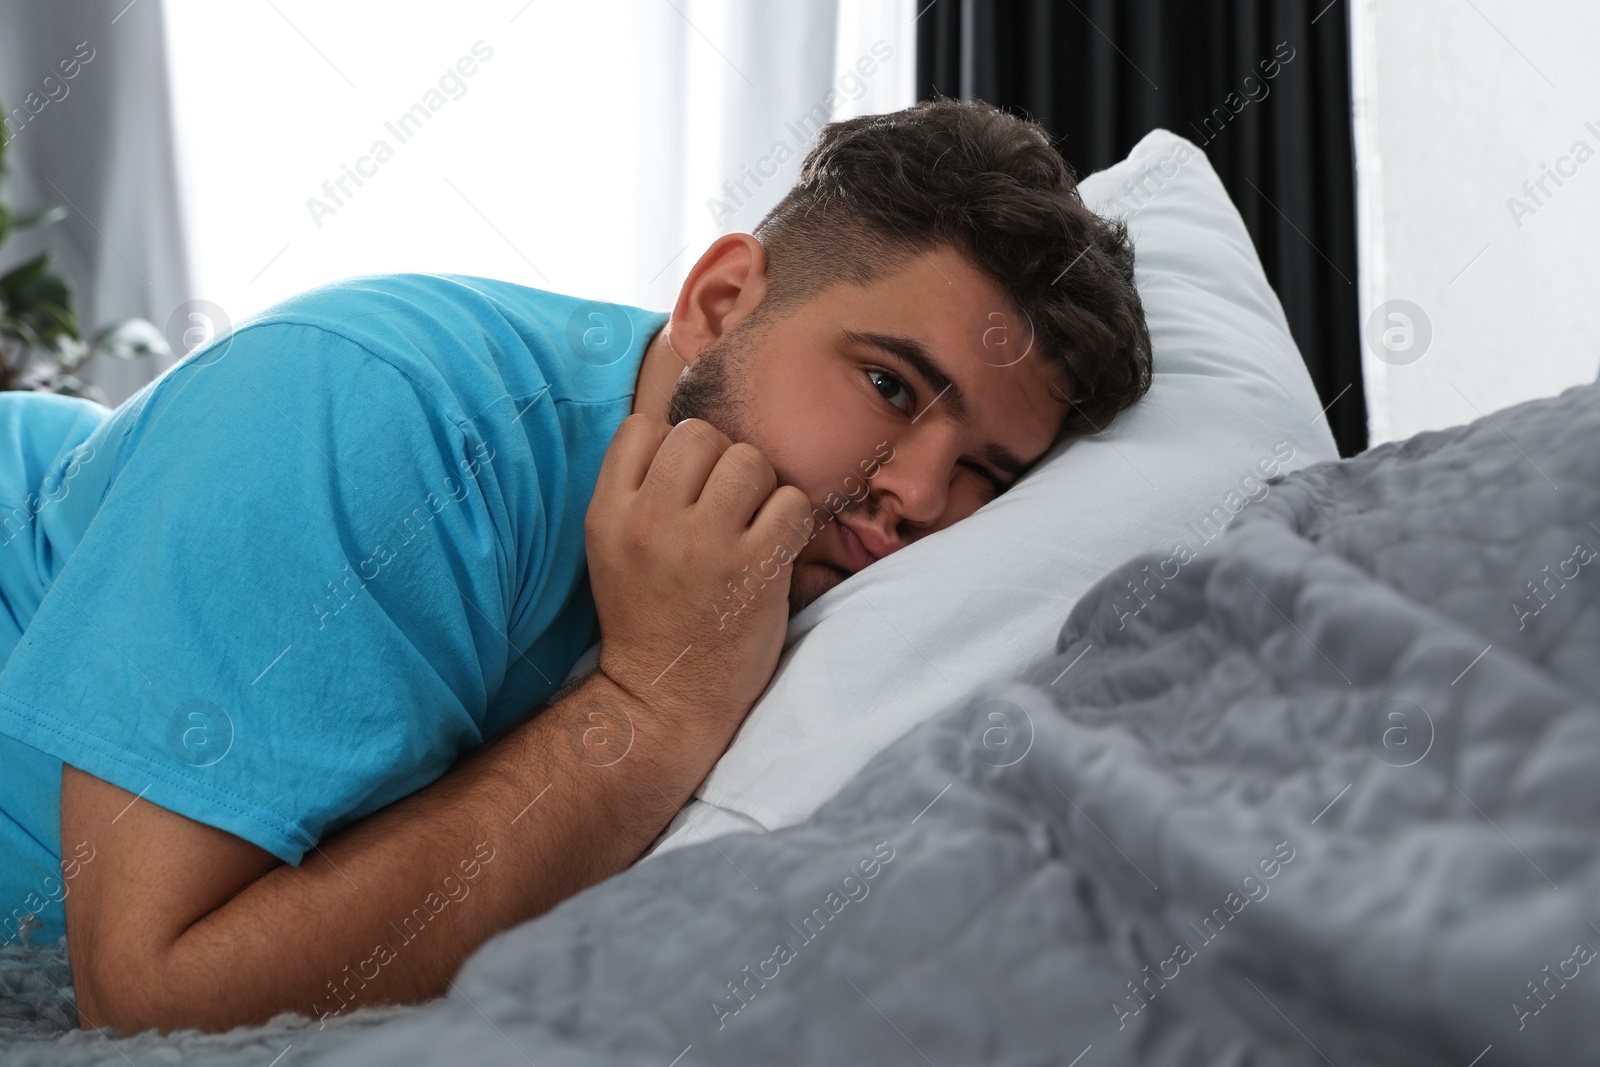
(711, 391)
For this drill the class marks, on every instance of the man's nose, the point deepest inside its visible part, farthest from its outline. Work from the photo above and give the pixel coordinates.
(912, 488)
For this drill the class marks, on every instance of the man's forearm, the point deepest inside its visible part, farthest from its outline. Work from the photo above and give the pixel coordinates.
(388, 909)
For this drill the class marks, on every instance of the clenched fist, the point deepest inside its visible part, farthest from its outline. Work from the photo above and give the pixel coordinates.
(679, 513)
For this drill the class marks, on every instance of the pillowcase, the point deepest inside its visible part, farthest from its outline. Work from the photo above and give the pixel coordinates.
(899, 642)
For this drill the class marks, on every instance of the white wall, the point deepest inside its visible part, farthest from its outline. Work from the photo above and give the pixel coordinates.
(579, 157)
(1458, 104)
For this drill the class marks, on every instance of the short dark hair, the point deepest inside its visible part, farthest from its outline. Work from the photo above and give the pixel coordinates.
(879, 190)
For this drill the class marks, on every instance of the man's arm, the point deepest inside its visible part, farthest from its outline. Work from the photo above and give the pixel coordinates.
(178, 924)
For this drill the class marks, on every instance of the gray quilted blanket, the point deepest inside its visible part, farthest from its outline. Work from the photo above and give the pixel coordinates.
(1328, 792)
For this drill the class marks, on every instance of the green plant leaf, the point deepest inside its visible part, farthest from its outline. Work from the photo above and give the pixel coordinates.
(24, 274)
(42, 298)
(42, 217)
(129, 339)
(22, 331)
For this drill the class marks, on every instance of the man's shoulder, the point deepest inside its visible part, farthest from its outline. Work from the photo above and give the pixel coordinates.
(521, 339)
(417, 294)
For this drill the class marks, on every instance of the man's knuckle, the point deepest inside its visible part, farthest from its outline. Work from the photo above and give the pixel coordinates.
(692, 430)
(667, 463)
(748, 459)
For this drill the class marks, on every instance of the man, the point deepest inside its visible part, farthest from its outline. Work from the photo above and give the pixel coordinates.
(294, 633)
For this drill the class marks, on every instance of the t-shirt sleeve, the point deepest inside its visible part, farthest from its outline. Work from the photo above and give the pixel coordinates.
(289, 609)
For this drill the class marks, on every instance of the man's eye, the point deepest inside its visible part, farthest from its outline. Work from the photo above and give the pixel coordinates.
(995, 483)
(892, 388)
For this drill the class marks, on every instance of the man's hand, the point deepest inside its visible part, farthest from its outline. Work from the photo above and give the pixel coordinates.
(179, 924)
(690, 545)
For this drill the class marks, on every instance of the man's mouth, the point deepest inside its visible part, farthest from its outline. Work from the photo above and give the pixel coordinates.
(857, 554)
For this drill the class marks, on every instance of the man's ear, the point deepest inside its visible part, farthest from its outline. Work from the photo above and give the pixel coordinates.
(723, 289)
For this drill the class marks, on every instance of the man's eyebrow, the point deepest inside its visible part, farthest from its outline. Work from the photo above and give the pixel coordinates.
(915, 354)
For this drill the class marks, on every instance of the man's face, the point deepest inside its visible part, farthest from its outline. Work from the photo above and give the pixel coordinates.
(903, 406)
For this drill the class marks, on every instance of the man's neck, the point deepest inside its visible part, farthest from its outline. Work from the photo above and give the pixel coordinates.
(658, 373)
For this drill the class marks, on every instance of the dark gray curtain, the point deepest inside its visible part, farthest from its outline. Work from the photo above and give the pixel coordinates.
(1262, 85)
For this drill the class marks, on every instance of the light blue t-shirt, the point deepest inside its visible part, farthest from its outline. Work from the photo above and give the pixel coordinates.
(307, 569)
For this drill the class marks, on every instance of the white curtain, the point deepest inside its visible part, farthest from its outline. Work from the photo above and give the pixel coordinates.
(587, 151)
(98, 142)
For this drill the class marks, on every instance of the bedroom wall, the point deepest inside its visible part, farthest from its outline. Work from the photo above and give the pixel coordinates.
(1462, 110)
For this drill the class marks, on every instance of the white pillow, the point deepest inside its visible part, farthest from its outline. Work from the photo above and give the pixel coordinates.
(984, 600)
